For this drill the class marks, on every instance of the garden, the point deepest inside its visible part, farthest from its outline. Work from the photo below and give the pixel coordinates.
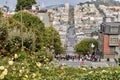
(26, 49)
(22, 66)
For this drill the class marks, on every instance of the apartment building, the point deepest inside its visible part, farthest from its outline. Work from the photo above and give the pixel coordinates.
(109, 39)
(60, 21)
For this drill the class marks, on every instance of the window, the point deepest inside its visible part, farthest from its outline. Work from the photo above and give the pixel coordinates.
(112, 48)
(113, 40)
(114, 29)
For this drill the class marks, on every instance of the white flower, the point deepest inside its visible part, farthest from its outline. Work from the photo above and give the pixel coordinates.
(26, 76)
(1, 76)
(10, 62)
(2, 68)
(47, 67)
(33, 75)
(23, 68)
(15, 56)
(62, 67)
(20, 71)
(84, 69)
(110, 72)
(38, 64)
(116, 71)
(24, 79)
(90, 72)
(4, 72)
(104, 71)
(12, 58)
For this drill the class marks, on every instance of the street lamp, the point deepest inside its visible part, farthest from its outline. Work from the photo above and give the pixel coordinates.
(22, 29)
(92, 46)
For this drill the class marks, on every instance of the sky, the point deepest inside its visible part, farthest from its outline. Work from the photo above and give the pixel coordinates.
(12, 3)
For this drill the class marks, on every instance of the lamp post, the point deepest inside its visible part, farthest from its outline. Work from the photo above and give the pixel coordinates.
(92, 46)
(53, 42)
(22, 30)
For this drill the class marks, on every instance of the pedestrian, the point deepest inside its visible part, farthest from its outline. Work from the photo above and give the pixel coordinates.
(82, 63)
(108, 59)
(116, 61)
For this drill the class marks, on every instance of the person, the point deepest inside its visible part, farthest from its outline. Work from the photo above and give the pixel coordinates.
(116, 61)
(82, 63)
(73, 58)
(108, 59)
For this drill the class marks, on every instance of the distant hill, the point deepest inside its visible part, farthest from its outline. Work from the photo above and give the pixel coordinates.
(103, 2)
(107, 2)
(55, 6)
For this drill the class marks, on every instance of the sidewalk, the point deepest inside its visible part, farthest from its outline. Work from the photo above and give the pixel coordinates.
(110, 60)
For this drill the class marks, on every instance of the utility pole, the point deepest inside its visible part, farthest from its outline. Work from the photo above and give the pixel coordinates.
(53, 39)
(21, 30)
(52, 46)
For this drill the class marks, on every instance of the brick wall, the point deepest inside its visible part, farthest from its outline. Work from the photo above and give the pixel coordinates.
(106, 49)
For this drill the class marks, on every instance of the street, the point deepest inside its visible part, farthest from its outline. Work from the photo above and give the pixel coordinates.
(70, 40)
(78, 63)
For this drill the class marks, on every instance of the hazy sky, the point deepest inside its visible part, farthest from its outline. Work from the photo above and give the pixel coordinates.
(12, 3)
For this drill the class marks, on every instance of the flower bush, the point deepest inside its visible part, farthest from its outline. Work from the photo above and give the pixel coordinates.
(28, 67)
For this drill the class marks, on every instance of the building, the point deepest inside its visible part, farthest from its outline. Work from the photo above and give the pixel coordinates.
(59, 19)
(36, 7)
(109, 39)
(44, 17)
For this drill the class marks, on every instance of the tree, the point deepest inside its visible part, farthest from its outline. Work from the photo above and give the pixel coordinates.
(3, 37)
(29, 20)
(14, 38)
(1, 14)
(52, 40)
(33, 25)
(84, 46)
(24, 4)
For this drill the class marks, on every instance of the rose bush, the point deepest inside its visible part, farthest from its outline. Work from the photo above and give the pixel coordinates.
(28, 67)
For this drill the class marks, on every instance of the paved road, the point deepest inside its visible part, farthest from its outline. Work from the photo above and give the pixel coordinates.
(77, 63)
(71, 33)
(70, 40)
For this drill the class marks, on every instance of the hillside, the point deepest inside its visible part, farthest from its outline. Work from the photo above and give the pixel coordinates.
(102, 2)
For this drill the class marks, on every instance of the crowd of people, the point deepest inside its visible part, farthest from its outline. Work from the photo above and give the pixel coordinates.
(88, 57)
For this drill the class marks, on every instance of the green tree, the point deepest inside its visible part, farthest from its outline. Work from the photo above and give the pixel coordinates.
(24, 4)
(29, 20)
(27, 28)
(13, 40)
(84, 46)
(52, 40)
(1, 14)
(33, 25)
(3, 38)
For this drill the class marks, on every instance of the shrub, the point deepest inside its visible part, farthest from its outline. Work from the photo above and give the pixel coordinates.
(28, 43)
(14, 45)
(27, 67)
(44, 57)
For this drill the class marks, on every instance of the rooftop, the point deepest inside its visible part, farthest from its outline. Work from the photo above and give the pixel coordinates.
(111, 23)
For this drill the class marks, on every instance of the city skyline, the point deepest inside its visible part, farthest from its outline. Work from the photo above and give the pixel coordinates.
(44, 3)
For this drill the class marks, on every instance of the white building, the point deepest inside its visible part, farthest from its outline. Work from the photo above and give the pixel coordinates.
(60, 18)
